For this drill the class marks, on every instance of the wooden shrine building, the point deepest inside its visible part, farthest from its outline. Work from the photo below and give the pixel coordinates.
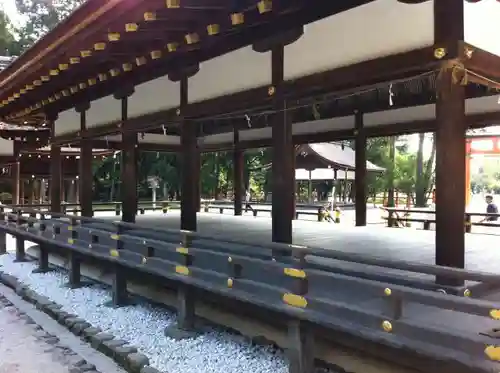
(193, 76)
(26, 164)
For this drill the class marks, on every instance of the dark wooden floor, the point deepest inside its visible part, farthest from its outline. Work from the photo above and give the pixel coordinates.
(482, 253)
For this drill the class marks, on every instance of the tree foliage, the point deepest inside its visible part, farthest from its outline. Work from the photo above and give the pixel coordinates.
(41, 17)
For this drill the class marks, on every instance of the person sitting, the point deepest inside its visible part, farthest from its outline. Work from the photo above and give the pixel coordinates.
(491, 208)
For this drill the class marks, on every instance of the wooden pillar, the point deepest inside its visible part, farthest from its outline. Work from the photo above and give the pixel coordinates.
(190, 166)
(450, 138)
(77, 187)
(16, 178)
(238, 169)
(283, 153)
(85, 165)
(360, 170)
(129, 163)
(22, 191)
(55, 170)
(197, 181)
(55, 179)
(42, 191)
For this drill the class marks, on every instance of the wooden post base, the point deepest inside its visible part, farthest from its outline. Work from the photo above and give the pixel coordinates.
(301, 347)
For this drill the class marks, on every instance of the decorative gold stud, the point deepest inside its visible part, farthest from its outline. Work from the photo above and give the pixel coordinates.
(387, 326)
(495, 314)
(173, 4)
(265, 6)
(213, 29)
(65, 92)
(150, 16)
(237, 19)
(92, 81)
(155, 55)
(439, 53)
(387, 292)
(493, 352)
(74, 60)
(102, 77)
(131, 27)
(54, 72)
(467, 293)
(178, 112)
(271, 90)
(22, 91)
(127, 67)
(82, 85)
(172, 47)
(85, 53)
(74, 89)
(114, 72)
(17, 95)
(99, 46)
(141, 61)
(192, 38)
(113, 36)
(229, 259)
(229, 282)
(37, 83)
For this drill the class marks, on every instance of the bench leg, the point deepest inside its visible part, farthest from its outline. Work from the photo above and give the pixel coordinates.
(119, 291)
(75, 280)
(301, 347)
(3, 243)
(185, 327)
(20, 251)
(43, 260)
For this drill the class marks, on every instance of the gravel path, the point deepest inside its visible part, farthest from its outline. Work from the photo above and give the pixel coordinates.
(142, 325)
(21, 351)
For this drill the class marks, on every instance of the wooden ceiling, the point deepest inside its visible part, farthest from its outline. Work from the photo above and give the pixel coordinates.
(106, 44)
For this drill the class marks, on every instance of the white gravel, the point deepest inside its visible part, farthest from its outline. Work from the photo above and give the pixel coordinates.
(142, 326)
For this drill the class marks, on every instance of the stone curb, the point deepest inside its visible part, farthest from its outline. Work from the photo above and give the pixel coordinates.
(120, 351)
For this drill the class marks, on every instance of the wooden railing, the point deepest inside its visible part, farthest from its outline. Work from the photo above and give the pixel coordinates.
(281, 279)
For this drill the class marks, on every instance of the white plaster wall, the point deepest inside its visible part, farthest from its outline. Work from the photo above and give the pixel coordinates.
(152, 138)
(6, 147)
(256, 134)
(399, 115)
(155, 95)
(376, 29)
(481, 25)
(149, 138)
(68, 121)
(426, 112)
(323, 125)
(103, 111)
(233, 72)
(221, 138)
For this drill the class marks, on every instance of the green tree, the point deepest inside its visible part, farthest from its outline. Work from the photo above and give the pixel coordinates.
(9, 46)
(41, 17)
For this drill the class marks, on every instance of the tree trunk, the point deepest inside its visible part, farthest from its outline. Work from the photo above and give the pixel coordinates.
(421, 182)
(390, 174)
(217, 176)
